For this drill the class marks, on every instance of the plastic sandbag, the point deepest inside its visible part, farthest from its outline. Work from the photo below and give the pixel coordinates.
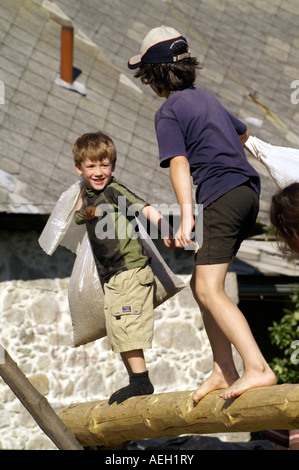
(282, 163)
(86, 296)
(85, 293)
(167, 284)
(61, 228)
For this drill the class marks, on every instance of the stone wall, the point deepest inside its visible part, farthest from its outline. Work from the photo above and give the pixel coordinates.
(36, 330)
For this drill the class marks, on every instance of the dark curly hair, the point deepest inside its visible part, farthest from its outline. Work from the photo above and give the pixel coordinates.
(284, 215)
(170, 77)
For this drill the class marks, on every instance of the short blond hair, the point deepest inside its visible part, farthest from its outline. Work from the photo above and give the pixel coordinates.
(95, 146)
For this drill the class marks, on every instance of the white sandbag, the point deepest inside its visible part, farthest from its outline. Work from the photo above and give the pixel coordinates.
(86, 296)
(61, 228)
(85, 293)
(167, 284)
(282, 163)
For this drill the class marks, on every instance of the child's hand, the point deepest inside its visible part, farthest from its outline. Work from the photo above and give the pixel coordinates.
(89, 213)
(183, 235)
(169, 243)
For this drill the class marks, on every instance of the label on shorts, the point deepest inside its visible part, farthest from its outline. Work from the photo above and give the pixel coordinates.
(126, 309)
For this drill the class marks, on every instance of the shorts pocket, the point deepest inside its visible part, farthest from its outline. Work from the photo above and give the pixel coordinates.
(131, 300)
(145, 276)
(120, 310)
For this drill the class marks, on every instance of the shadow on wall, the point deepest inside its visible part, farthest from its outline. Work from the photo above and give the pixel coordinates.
(22, 258)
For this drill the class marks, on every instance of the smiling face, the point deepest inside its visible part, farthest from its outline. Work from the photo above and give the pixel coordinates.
(97, 173)
(95, 159)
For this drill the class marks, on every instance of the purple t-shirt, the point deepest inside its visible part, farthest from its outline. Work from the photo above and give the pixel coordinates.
(194, 124)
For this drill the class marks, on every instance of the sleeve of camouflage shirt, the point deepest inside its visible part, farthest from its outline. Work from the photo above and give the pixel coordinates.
(79, 218)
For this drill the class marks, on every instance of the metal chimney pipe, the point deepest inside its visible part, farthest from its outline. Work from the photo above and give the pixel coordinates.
(66, 54)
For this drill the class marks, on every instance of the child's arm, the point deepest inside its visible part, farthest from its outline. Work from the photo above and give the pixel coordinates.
(181, 181)
(80, 201)
(244, 137)
(79, 219)
(157, 219)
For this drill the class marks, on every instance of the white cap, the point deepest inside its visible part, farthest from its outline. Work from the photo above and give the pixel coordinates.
(158, 46)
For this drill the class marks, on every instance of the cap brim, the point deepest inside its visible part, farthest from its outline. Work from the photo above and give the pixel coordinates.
(135, 62)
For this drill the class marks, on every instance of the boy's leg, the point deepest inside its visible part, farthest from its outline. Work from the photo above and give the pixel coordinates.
(225, 324)
(224, 372)
(130, 322)
(134, 361)
(140, 383)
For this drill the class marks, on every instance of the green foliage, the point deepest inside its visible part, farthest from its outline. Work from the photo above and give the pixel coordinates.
(285, 335)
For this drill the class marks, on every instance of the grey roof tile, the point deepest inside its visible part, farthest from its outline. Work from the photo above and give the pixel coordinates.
(246, 47)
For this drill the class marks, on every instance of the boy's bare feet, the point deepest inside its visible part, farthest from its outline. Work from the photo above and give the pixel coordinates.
(233, 385)
(216, 381)
(250, 380)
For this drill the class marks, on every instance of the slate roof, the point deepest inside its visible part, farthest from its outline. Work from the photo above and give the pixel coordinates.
(249, 50)
(262, 257)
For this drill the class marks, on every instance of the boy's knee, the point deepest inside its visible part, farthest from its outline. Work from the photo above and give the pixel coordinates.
(198, 292)
(205, 292)
(202, 297)
(192, 284)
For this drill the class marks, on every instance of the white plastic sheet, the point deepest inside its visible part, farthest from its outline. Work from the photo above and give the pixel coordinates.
(282, 163)
(61, 228)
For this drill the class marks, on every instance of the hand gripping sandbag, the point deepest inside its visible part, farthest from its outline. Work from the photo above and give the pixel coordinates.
(282, 163)
(86, 296)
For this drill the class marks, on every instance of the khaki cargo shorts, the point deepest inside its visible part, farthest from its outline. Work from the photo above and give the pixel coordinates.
(129, 310)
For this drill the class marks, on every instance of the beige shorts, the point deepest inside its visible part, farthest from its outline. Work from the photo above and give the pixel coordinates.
(129, 310)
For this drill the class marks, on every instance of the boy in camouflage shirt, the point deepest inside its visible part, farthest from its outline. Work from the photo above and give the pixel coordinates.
(108, 209)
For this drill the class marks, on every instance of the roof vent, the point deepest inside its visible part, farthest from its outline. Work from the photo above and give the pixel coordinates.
(66, 53)
(66, 78)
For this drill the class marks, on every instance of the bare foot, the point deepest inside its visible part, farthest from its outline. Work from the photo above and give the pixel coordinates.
(216, 381)
(250, 380)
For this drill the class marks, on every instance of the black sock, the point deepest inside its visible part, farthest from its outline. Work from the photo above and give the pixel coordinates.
(140, 384)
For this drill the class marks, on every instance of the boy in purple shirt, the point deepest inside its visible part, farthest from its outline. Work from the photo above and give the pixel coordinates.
(198, 136)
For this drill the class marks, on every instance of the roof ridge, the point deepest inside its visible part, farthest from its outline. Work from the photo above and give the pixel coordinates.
(56, 14)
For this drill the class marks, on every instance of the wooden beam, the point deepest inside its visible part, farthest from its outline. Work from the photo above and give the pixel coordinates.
(172, 414)
(36, 404)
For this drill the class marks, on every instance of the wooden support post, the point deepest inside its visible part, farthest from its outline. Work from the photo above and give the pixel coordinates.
(172, 414)
(36, 404)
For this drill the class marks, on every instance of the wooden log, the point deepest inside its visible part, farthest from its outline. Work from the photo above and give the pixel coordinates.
(36, 404)
(172, 414)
